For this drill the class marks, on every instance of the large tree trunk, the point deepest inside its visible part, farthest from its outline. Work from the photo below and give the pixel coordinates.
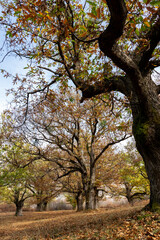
(88, 186)
(151, 155)
(44, 206)
(79, 202)
(19, 206)
(95, 197)
(89, 197)
(39, 207)
(146, 130)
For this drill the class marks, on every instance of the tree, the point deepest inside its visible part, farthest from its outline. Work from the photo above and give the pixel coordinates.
(132, 174)
(15, 157)
(63, 36)
(42, 183)
(72, 184)
(13, 183)
(72, 136)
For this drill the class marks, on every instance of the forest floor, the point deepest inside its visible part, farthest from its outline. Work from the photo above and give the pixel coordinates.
(121, 223)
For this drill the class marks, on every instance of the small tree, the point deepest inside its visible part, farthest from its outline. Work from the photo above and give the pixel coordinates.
(15, 155)
(42, 183)
(13, 183)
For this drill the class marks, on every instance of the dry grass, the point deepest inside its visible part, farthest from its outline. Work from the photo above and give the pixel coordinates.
(103, 224)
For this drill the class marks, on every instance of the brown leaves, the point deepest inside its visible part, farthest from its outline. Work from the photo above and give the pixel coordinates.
(118, 224)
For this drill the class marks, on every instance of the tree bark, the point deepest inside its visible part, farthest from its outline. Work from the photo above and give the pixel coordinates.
(128, 193)
(39, 207)
(95, 197)
(149, 148)
(44, 206)
(79, 201)
(88, 186)
(19, 206)
(146, 131)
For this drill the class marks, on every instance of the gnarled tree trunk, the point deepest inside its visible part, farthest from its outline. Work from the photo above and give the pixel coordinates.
(146, 130)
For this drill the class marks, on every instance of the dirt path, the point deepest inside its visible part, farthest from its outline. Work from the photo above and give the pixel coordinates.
(33, 225)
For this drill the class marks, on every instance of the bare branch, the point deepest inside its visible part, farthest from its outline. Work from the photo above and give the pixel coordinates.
(36, 91)
(108, 145)
(48, 69)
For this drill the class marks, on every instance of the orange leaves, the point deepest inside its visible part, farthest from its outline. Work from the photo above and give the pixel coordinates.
(96, 13)
(147, 23)
(92, 15)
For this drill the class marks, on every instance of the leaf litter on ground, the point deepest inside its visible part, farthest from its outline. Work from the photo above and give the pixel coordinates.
(125, 223)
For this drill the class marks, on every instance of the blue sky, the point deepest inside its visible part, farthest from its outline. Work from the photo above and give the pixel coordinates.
(12, 65)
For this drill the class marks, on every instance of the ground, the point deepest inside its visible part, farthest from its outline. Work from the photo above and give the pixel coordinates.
(118, 224)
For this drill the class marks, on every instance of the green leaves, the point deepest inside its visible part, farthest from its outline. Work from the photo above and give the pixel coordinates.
(9, 33)
(92, 3)
(153, 3)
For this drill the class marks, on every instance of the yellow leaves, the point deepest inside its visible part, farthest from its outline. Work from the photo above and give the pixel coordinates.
(38, 29)
(50, 18)
(66, 57)
(34, 40)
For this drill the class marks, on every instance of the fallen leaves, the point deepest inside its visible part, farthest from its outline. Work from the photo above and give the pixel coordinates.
(125, 223)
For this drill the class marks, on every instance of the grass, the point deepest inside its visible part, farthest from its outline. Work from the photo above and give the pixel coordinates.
(117, 224)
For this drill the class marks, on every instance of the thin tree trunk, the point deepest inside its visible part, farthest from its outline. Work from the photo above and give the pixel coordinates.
(128, 193)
